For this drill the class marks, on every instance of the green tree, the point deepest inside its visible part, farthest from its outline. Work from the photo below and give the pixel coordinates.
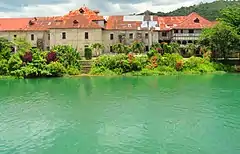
(120, 48)
(222, 39)
(22, 45)
(175, 47)
(231, 17)
(137, 47)
(98, 48)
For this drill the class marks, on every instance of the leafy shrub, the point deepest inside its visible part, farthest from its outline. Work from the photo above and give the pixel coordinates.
(3, 67)
(170, 59)
(27, 57)
(51, 57)
(56, 69)
(88, 53)
(179, 65)
(151, 53)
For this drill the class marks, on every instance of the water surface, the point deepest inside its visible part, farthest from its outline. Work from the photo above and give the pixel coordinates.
(121, 115)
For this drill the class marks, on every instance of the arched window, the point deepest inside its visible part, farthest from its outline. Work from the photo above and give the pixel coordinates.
(184, 42)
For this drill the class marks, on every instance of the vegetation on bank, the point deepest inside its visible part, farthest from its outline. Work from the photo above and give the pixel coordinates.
(156, 64)
(30, 63)
(209, 10)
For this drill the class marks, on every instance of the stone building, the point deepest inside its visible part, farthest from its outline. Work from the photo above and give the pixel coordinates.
(83, 27)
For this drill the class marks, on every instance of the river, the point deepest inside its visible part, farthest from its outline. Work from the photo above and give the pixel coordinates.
(192, 114)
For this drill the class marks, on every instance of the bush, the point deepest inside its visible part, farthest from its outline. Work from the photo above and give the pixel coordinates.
(170, 59)
(56, 69)
(3, 67)
(88, 53)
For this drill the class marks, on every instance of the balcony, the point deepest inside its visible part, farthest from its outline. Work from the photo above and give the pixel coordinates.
(186, 35)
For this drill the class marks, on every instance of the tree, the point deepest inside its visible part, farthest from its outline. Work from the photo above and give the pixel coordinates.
(120, 48)
(222, 39)
(190, 49)
(5, 48)
(22, 45)
(175, 47)
(137, 47)
(157, 46)
(97, 47)
(231, 17)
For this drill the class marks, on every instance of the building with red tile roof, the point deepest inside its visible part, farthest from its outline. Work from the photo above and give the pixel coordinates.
(84, 26)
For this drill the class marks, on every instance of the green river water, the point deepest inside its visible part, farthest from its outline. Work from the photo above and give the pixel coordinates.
(121, 115)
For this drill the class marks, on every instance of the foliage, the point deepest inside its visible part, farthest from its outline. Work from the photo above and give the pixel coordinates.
(120, 48)
(56, 69)
(190, 49)
(153, 65)
(157, 47)
(231, 17)
(137, 47)
(221, 39)
(3, 67)
(88, 53)
(68, 56)
(30, 63)
(175, 47)
(5, 48)
(151, 53)
(97, 47)
(51, 57)
(22, 45)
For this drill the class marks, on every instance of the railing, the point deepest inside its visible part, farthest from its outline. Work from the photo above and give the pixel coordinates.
(186, 35)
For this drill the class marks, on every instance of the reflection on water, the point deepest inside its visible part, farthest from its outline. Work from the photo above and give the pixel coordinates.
(167, 114)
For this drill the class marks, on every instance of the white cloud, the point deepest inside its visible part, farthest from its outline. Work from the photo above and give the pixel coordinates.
(107, 7)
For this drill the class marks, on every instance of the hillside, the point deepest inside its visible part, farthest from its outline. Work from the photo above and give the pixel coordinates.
(207, 10)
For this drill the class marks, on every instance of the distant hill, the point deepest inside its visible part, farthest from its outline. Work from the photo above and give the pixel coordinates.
(211, 11)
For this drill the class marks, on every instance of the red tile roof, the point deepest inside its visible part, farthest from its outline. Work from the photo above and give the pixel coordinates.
(168, 22)
(118, 23)
(194, 21)
(12, 24)
(84, 18)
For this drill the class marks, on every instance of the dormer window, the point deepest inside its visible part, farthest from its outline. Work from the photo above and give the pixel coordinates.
(75, 22)
(196, 20)
(81, 11)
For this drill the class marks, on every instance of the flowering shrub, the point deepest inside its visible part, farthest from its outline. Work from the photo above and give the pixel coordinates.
(179, 65)
(27, 57)
(51, 57)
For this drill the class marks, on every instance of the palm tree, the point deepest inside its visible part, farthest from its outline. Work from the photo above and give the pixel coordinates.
(98, 48)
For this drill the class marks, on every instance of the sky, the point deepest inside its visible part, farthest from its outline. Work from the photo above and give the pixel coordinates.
(32, 8)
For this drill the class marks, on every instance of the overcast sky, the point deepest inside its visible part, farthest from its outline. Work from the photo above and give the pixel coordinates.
(30, 8)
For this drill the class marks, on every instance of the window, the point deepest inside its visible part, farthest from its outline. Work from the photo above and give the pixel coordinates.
(190, 31)
(181, 31)
(86, 46)
(164, 33)
(86, 35)
(175, 31)
(131, 36)
(146, 48)
(49, 36)
(111, 49)
(179, 42)
(146, 35)
(111, 36)
(32, 37)
(190, 41)
(63, 35)
(196, 20)
(184, 42)
(14, 36)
